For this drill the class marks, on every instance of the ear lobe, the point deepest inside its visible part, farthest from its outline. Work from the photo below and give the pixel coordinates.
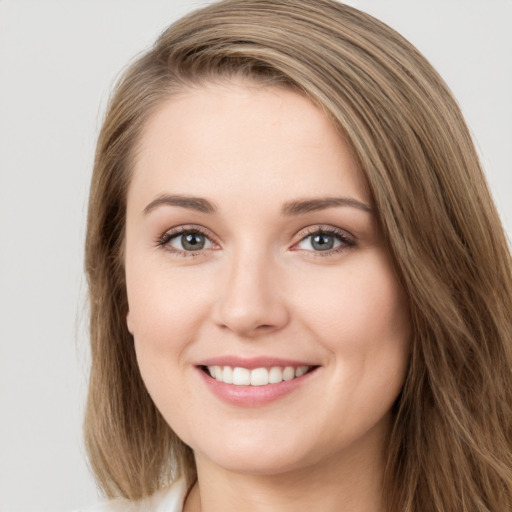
(129, 323)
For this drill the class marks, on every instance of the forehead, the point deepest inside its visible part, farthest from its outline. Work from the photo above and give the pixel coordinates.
(246, 138)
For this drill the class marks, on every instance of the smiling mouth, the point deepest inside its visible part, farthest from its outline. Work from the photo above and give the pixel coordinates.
(240, 376)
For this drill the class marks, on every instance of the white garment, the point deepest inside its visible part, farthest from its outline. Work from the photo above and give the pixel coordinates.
(170, 499)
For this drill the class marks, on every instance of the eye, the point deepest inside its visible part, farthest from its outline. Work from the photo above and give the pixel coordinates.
(186, 241)
(326, 240)
(319, 242)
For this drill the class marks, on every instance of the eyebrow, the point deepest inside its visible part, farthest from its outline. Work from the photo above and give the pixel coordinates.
(311, 205)
(192, 203)
(289, 209)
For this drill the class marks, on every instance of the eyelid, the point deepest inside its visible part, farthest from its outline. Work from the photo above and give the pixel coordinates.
(347, 239)
(164, 239)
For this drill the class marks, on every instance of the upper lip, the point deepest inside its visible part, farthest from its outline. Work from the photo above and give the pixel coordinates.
(252, 362)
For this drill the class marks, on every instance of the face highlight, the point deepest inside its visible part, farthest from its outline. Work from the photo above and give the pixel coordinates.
(269, 327)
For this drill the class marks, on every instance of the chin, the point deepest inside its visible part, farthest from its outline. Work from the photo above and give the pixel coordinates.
(257, 455)
(259, 462)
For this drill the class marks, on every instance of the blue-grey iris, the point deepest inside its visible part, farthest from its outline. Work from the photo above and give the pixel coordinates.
(193, 241)
(322, 242)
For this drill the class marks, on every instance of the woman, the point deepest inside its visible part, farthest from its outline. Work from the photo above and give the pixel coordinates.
(300, 288)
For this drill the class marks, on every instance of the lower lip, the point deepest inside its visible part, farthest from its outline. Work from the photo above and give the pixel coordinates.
(253, 396)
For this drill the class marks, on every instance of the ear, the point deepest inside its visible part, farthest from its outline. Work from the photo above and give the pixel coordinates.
(129, 323)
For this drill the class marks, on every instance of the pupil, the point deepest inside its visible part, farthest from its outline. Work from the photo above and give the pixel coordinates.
(323, 242)
(192, 241)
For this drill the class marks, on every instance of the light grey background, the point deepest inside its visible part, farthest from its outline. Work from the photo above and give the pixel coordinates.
(58, 61)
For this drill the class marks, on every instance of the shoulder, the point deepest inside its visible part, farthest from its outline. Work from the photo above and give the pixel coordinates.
(169, 499)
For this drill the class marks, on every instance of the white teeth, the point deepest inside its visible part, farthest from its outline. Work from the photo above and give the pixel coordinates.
(241, 376)
(257, 377)
(288, 373)
(227, 375)
(275, 375)
(300, 371)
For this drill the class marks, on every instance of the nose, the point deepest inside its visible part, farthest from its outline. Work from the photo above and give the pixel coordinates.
(251, 302)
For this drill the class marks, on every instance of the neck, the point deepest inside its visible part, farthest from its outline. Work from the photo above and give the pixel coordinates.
(348, 482)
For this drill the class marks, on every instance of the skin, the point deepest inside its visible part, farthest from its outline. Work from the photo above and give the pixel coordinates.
(259, 287)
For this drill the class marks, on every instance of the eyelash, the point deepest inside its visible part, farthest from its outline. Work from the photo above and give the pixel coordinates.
(347, 240)
(164, 240)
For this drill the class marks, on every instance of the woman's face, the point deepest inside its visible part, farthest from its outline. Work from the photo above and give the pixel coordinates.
(253, 254)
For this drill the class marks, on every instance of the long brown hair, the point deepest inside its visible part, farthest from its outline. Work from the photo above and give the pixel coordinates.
(450, 449)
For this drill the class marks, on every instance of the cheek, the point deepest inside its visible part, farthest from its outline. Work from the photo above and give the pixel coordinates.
(165, 307)
(363, 321)
(165, 311)
(361, 310)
